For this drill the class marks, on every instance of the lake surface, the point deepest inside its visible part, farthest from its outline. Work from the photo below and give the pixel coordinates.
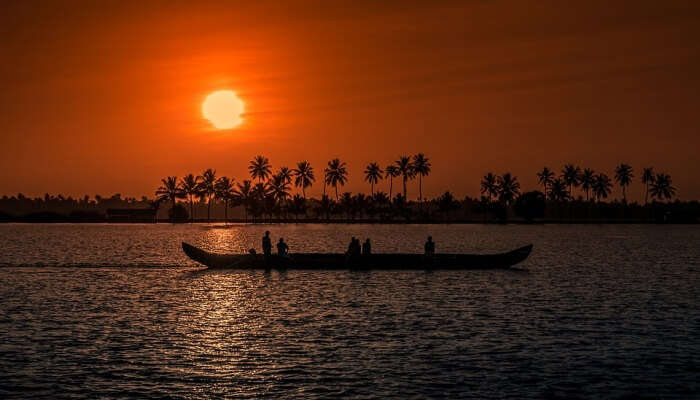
(608, 311)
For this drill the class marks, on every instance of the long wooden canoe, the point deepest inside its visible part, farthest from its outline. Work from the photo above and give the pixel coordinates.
(373, 261)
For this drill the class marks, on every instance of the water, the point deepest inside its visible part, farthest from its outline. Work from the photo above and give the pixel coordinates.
(92, 311)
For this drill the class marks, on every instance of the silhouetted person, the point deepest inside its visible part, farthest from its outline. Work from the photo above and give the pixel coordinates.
(429, 246)
(267, 244)
(353, 247)
(282, 248)
(366, 248)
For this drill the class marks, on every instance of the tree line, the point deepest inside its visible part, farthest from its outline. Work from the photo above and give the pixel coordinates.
(574, 194)
(595, 185)
(268, 192)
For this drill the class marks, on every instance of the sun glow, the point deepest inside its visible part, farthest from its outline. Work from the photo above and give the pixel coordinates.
(223, 109)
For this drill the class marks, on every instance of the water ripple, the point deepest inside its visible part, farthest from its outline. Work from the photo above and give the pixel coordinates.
(596, 312)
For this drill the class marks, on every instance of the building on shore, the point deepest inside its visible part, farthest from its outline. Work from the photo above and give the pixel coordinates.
(130, 215)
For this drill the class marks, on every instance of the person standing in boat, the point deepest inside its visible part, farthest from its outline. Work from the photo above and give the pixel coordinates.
(267, 244)
(282, 248)
(353, 247)
(429, 247)
(366, 248)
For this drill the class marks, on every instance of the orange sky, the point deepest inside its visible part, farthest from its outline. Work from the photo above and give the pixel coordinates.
(104, 97)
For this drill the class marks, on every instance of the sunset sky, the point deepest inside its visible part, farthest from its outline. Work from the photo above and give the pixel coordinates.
(106, 96)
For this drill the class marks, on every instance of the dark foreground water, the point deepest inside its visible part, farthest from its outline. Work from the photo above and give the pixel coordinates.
(90, 311)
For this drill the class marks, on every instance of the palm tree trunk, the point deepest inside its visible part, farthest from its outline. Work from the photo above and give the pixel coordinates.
(226, 211)
(191, 210)
(209, 210)
(372, 184)
(420, 188)
(303, 191)
(391, 185)
(336, 192)
(404, 187)
(646, 195)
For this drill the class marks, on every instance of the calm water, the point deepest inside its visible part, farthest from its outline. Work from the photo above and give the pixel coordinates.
(92, 311)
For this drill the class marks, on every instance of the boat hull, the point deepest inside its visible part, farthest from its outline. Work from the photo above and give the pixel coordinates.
(331, 261)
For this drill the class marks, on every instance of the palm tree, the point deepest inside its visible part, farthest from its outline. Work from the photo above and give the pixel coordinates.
(270, 205)
(260, 168)
(373, 173)
(602, 186)
(259, 191)
(347, 203)
(489, 185)
(662, 188)
(558, 191)
(325, 180)
(647, 179)
(223, 190)
(260, 195)
(207, 189)
(279, 188)
(400, 207)
(170, 190)
(508, 188)
(190, 187)
(405, 167)
(154, 205)
(325, 206)
(297, 206)
(286, 174)
(571, 175)
(244, 194)
(336, 173)
(546, 177)
(381, 201)
(446, 203)
(623, 176)
(391, 172)
(587, 178)
(362, 203)
(421, 167)
(304, 176)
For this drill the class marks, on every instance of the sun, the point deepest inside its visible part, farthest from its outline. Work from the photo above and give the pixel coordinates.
(223, 109)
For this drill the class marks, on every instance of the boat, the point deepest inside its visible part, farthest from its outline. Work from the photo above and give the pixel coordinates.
(335, 261)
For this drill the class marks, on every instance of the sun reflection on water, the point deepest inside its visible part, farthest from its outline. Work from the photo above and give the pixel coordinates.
(227, 238)
(190, 332)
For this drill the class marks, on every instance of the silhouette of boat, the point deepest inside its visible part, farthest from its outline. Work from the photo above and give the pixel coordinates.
(341, 261)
